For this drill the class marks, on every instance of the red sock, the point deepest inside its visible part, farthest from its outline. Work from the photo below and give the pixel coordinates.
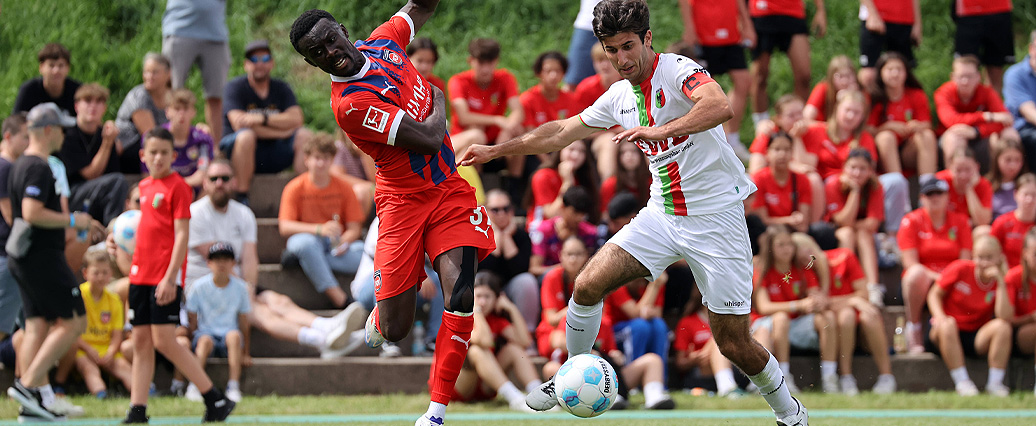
(451, 346)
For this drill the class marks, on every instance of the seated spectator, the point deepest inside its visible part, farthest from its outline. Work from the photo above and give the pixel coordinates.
(546, 101)
(784, 197)
(53, 84)
(570, 167)
(510, 260)
(1020, 99)
(217, 312)
(782, 26)
(635, 312)
(855, 206)
(357, 169)
(497, 348)
(984, 30)
(586, 93)
(321, 218)
(1006, 166)
(841, 75)
(965, 321)
(899, 114)
(970, 193)
(91, 160)
(695, 348)
(788, 119)
(98, 346)
(262, 121)
(969, 110)
(549, 235)
(631, 176)
(929, 239)
(143, 108)
(193, 147)
(791, 298)
(424, 54)
(887, 26)
(1020, 281)
(1010, 228)
(827, 145)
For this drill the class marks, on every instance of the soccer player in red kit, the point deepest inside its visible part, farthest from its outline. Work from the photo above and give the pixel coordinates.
(398, 118)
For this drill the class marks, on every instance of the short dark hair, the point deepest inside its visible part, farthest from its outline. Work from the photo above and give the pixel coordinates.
(484, 49)
(54, 51)
(624, 204)
(158, 132)
(620, 16)
(305, 22)
(489, 279)
(577, 198)
(13, 124)
(537, 66)
(423, 43)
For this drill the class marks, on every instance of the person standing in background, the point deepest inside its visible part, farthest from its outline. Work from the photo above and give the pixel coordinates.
(195, 32)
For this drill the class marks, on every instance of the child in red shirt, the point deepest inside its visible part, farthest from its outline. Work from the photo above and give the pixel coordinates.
(695, 347)
(970, 193)
(546, 101)
(788, 119)
(856, 206)
(586, 93)
(969, 110)
(424, 54)
(827, 145)
(841, 75)
(783, 196)
(900, 114)
(1011, 227)
(1021, 290)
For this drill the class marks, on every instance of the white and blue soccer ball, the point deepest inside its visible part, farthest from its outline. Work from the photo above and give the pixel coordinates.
(124, 228)
(586, 385)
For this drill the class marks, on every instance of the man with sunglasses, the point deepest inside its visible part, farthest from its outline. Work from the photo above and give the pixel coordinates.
(262, 121)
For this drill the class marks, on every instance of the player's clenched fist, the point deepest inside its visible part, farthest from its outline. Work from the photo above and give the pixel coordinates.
(476, 154)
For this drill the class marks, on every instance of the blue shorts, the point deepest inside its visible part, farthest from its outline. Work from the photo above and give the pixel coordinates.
(271, 155)
(219, 345)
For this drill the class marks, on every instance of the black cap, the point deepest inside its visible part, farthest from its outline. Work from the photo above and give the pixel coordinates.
(221, 250)
(934, 185)
(48, 114)
(256, 45)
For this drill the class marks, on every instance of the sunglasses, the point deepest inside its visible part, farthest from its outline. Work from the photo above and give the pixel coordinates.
(261, 58)
(215, 179)
(504, 209)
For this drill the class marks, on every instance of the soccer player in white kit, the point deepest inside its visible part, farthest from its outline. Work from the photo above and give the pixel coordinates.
(673, 111)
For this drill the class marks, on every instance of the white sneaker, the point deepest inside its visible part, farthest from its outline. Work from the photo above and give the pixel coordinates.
(372, 337)
(830, 383)
(848, 384)
(355, 341)
(800, 418)
(885, 385)
(390, 350)
(193, 394)
(347, 321)
(967, 388)
(425, 420)
(543, 398)
(63, 407)
(876, 294)
(998, 390)
(234, 395)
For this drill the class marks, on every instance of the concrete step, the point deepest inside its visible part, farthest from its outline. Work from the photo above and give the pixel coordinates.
(292, 282)
(265, 194)
(269, 242)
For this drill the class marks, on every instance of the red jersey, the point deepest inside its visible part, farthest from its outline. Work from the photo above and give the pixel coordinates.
(692, 333)
(831, 156)
(936, 248)
(613, 303)
(787, 287)
(539, 110)
(370, 105)
(951, 110)
(1010, 232)
(818, 98)
(761, 143)
(793, 8)
(497, 324)
(981, 7)
(555, 292)
(1023, 299)
(845, 270)
(588, 91)
(875, 199)
(437, 82)
(896, 11)
(777, 198)
(912, 106)
(490, 100)
(162, 202)
(715, 22)
(545, 186)
(958, 201)
(967, 301)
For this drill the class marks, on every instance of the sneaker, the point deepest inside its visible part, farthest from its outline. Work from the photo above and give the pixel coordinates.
(218, 411)
(426, 420)
(543, 398)
(876, 294)
(885, 385)
(25, 416)
(390, 350)
(848, 385)
(830, 384)
(736, 393)
(355, 341)
(373, 338)
(666, 403)
(132, 418)
(998, 390)
(63, 407)
(234, 395)
(800, 418)
(967, 388)
(193, 394)
(31, 401)
(349, 320)
(619, 404)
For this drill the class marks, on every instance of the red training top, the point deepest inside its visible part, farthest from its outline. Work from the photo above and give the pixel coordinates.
(777, 197)
(1024, 301)
(787, 287)
(831, 156)
(952, 110)
(793, 8)
(716, 22)
(875, 208)
(490, 100)
(1010, 232)
(958, 201)
(162, 202)
(845, 270)
(692, 333)
(967, 301)
(539, 110)
(936, 248)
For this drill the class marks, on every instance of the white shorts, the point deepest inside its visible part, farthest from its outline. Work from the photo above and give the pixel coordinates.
(715, 246)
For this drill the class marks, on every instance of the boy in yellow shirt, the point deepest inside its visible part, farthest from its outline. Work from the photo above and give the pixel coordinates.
(98, 346)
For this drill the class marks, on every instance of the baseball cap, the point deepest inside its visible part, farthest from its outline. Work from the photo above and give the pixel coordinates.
(48, 114)
(221, 250)
(256, 45)
(934, 185)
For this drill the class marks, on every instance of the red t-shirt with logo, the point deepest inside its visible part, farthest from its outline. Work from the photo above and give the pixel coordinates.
(967, 301)
(981, 7)
(692, 333)
(716, 22)
(162, 202)
(588, 91)
(959, 201)
(952, 110)
(875, 208)
(831, 156)
(787, 287)
(936, 248)
(845, 270)
(818, 98)
(491, 100)
(793, 8)
(776, 197)
(912, 106)
(539, 110)
(896, 11)
(1010, 232)
(613, 303)
(1024, 301)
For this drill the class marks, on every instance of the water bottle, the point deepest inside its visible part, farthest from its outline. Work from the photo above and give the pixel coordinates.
(83, 234)
(899, 339)
(418, 348)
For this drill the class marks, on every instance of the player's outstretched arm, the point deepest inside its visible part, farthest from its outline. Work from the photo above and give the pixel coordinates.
(420, 11)
(424, 137)
(549, 137)
(711, 108)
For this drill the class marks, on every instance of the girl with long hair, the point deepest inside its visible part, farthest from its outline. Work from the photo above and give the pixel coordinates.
(900, 115)
(1008, 163)
(841, 75)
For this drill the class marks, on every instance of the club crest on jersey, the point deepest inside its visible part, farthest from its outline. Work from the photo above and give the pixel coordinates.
(392, 56)
(659, 98)
(376, 119)
(377, 281)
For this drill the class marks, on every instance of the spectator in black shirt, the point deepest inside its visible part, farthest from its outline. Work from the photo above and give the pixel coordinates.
(53, 85)
(510, 259)
(90, 154)
(15, 140)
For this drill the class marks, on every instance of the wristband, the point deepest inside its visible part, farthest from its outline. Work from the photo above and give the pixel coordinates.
(71, 220)
(266, 118)
(318, 231)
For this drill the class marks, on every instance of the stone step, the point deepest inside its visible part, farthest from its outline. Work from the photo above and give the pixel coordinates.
(292, 282)
(264, 197)
(269, 242)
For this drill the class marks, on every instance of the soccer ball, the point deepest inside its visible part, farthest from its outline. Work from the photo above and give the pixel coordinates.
(125, 229)
(586, 385)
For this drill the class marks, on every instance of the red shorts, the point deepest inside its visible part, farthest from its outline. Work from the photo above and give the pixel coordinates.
(433, 222)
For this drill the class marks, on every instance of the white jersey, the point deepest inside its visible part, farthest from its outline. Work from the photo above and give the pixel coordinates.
(693, 174)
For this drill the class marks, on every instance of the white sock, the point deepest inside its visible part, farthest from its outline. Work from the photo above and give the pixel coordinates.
(233, 384)
(323, 324)
(771, 386)
(911, 327)
(435, 409)
(725, 381)
(533, 386)
(176, 385)
(47, 393)
(760, 116)
(996, 376)
(510, 392)
(960, 374)
(582, 325)
(311, 337)
(653, 393)
(785, 368)
(828, 368)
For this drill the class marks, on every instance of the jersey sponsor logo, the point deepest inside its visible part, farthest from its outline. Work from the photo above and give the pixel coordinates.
(659, 98)
(628, 111)
(376, 119)
(32, 191)
(653, 148)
